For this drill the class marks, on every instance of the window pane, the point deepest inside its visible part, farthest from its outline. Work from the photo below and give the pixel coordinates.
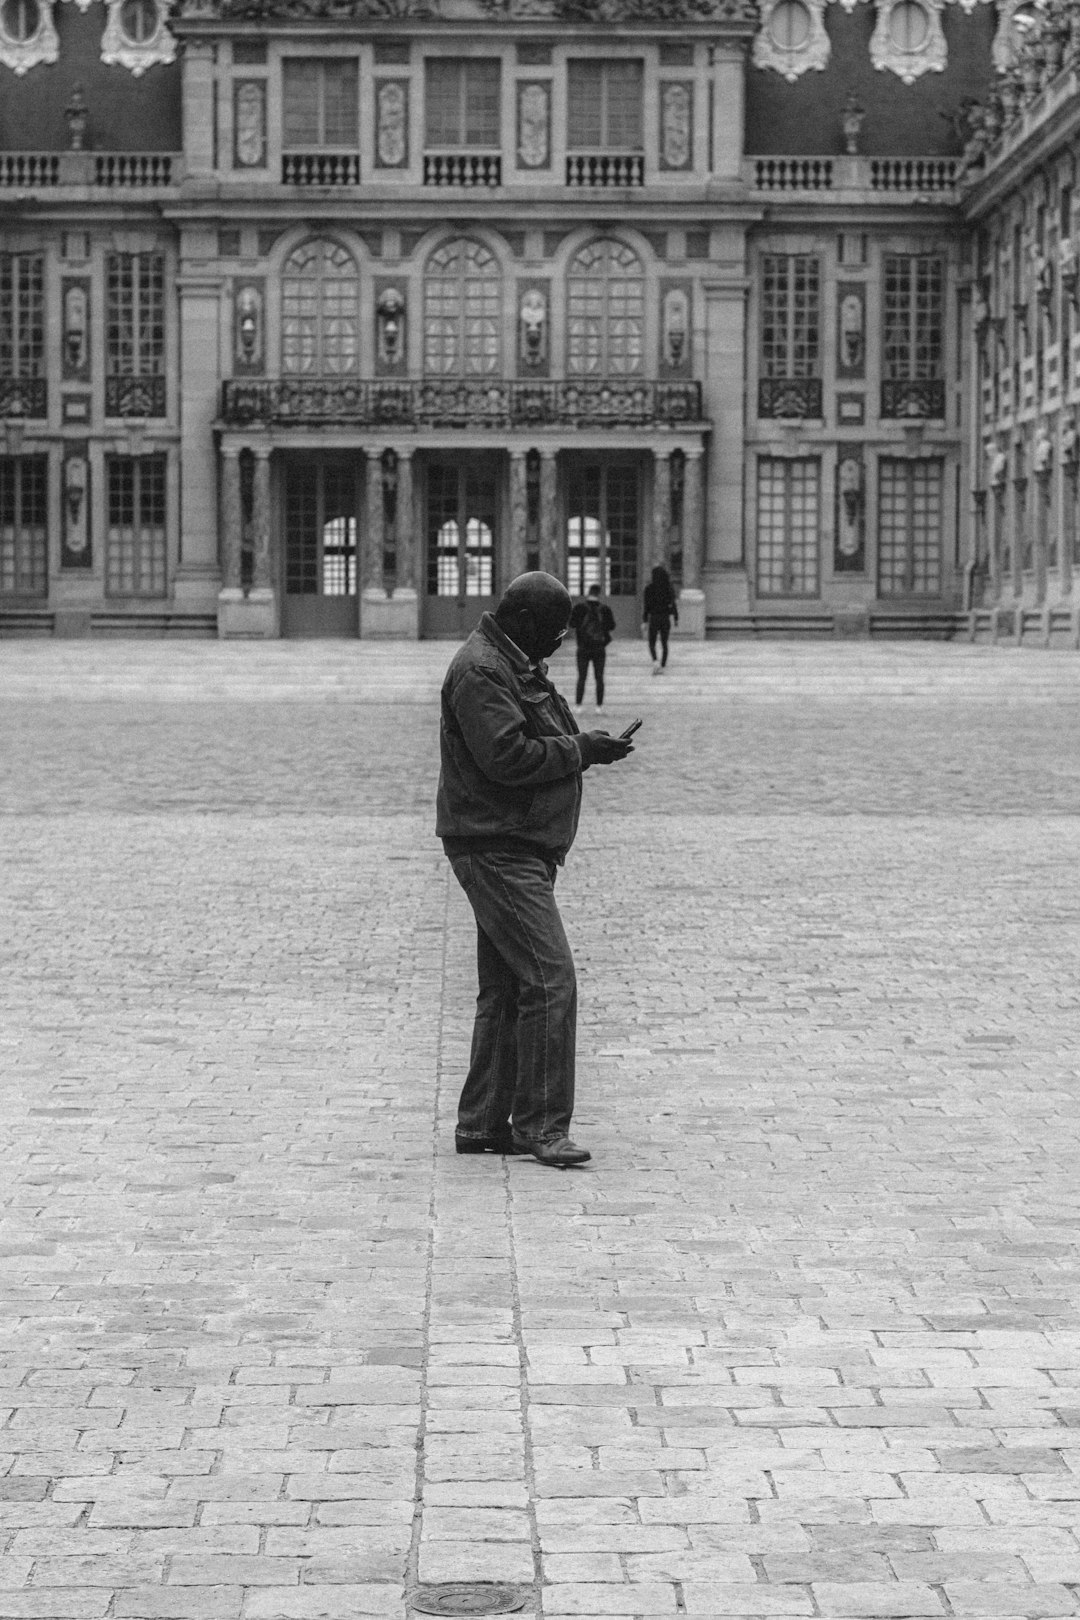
(606, 311)
(22, 314)
(301, 103)
(135, 540)
(443, 103)
(624, 81)
(909, 527)
(482, 104)
(788, 492)
(24, 550)
(790, 315)
(341, 104)
(586, 104)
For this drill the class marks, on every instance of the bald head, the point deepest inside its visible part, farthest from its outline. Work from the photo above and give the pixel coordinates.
(534, 612)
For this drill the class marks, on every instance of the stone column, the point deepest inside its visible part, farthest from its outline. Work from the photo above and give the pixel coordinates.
(405, 534)
(232, 519)
(262, 578)
(549, 514)
(724, 369)
(371, 549)
(1042, 533)
(198, 575)
(661, 511)
(693, 517)
(516, 552)
(729, 77)
(197, 65)
(1020, 535)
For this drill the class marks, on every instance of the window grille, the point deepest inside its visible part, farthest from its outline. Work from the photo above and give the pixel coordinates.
(788, 526)
(909, 527)
(24, 533)
(606, 311)
(320, 301)
(914, 307)
(790, 315)
(462, 103)
(320, 103)
(22, 315)
(606, 100)
(135, 540)
(461, 508)
(135, 334)
(462, 311)
(603, 529)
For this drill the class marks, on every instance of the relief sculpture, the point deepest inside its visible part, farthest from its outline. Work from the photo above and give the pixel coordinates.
(676, 116)
(392, 117)
(533, 123)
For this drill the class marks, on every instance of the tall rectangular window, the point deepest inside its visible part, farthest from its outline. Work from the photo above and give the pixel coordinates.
(22, 315)
(135, 538)
(462, 102)
(790, 315)
(788, 525)
(24, 534)
(135, 334)
(914, 316)
(606, 101)
(909, 527)
(320, 103)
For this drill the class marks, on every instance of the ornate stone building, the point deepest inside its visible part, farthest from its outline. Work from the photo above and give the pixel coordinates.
(326, 317)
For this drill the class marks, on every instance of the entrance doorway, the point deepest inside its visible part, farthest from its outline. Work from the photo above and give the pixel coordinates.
(603, 534)
(321, 595)
(461, 538)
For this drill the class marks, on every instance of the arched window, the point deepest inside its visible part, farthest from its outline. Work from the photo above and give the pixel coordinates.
(606, 311)
(462, 311)
(320, 293)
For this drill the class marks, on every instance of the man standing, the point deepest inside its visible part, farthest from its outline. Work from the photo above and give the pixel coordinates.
(507, 812)
(593, 623)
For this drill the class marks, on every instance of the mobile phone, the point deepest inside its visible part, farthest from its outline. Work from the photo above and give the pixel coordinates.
(624, 736)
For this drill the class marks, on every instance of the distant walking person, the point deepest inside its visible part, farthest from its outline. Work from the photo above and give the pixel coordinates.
(593, 623)
(661, 611)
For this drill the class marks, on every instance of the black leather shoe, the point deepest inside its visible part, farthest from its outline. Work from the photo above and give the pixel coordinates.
(502, 1143)
(561, 1154)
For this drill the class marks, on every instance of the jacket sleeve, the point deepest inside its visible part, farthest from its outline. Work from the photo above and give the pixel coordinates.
(609, 621)
(493, 727)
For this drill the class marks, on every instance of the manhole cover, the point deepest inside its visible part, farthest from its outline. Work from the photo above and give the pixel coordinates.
(467, 1597)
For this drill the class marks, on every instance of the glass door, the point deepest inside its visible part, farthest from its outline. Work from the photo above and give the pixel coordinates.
(462, 499)
(603, 534)
(321, 596)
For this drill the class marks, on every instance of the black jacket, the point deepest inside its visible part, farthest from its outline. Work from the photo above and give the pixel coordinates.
(511, 752)
(591, 608)
(660, 603)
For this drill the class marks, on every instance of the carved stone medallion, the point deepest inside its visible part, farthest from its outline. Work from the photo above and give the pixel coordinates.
(392, 123)
(534, 124)
(249, 123)
(908, 38)
(27, 35)
(792, 38)
(137, 36)
(676, 124)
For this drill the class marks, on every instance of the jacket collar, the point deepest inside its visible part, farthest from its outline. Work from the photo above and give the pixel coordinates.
(490, 627)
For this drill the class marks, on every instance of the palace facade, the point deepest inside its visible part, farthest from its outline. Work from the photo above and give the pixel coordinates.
(327, 317)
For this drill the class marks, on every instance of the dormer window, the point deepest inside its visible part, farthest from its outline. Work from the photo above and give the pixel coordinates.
(27, 35)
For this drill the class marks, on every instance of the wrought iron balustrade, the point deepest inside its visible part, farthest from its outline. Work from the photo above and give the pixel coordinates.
(24, 396)
(451, 402)
(135, 396)
(462, 169)
(916, 399)
(790, 397)
(595, 170)
(320, 168)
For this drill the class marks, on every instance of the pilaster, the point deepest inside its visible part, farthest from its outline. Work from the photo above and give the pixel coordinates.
(660, 542)
(519, 516)
(549, 514)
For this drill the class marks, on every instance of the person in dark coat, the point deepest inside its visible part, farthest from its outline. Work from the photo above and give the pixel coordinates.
(593, 624)
(507, 812)
(661, 611)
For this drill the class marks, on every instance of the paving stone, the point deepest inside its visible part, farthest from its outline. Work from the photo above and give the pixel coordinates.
(804, 1335)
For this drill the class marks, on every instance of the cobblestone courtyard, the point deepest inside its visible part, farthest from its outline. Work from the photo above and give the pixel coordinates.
(803, 1339)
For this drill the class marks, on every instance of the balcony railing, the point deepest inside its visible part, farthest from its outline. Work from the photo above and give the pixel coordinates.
(135, 396)
(605, 169)
(143, 171)
(454, 402)
(900, 176)
(462, 169)
(790, 397)
(24, 396)
(320, 168)
(915, 400)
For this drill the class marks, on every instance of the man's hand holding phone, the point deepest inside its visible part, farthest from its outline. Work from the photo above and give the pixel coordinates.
(606, 749)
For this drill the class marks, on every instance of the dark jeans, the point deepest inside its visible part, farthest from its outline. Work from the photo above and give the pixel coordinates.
(594, 656)
(524, 1038)
(659, 626)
